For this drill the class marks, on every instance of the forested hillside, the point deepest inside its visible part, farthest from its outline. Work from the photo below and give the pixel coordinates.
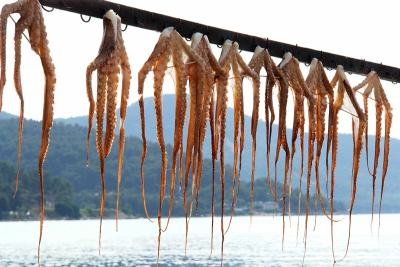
(344, 158)
(72, 189)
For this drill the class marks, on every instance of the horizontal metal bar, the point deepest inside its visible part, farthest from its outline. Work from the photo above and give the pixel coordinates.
(158, 22)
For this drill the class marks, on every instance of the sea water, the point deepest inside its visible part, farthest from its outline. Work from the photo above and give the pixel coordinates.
(255, 243)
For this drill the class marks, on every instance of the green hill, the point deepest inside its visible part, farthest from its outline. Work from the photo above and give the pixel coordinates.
(72, 189)
(344, 159)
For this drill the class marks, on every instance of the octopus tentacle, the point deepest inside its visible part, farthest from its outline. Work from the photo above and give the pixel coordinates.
(180, 111)
(254, 121)
(190, 142)
(6, 11)
(378, 128)
(220, 124)
(112, 86)
(100, 108)
(247, 71)
(92, 104)
(214, 158)
(159, 73)
(388, 124)
(365, 101)
(19, 28)
(159, 51)
(47, 121)
(126, 79)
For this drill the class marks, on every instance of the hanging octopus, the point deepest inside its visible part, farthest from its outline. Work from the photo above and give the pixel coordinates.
(276, 78)
(290, 66)
(344, 93)
(262, 59)
(171, 44)
(111, 58)
(372, 84)
(319, 84)
(31, 18)
(201, 46)
(231, 61)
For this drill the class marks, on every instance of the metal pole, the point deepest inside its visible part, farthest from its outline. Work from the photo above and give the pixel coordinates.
(157, 22)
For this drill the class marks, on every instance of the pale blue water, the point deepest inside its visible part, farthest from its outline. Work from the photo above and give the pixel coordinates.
(74, 243)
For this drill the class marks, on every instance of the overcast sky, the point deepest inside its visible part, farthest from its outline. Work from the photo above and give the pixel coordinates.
(367, 31)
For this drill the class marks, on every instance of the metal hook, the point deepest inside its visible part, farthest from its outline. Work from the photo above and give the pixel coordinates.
(124, 29)
(187, 39)
(47, 10)
(86, 21)
(219, 46)
(306, 64)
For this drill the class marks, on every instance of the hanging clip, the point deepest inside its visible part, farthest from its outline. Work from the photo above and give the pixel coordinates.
(87, 20)
(47, 10)
(124, 29)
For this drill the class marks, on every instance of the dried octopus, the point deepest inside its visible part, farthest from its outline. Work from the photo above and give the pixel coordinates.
(172, 44)
(319, 84)
(231, 61)
(290, 67)
(261, 58)
(298, 126)
(31, 18)
(111, 58)
(344, 92)
(201, 46)
(372, 84)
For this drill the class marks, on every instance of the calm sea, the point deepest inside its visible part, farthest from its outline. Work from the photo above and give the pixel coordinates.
(75, 243)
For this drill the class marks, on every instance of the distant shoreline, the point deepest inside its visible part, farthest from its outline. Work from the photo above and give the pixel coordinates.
(203, 216)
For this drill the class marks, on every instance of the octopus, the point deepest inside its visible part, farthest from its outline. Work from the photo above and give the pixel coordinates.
(262, 59)
(31, 18)
(201, 46)
(171, 44)
(372, 84)
(319, 84)
(344, 93)
(231, 61)
(111, 59)
(290, 67)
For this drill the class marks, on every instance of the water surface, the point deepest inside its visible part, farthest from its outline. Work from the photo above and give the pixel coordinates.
(75, 243)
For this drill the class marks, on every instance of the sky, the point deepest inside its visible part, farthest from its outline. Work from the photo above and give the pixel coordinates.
(360, 29)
